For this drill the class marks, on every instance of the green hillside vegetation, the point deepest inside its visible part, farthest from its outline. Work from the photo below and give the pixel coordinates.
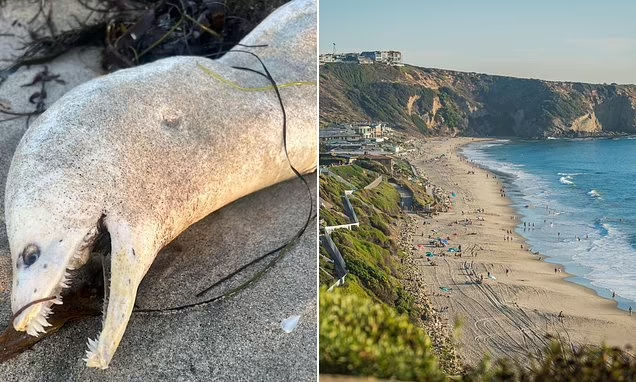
(326, 268)
(358, 336)
(373, 166)
(558, 362)
(402, 168)
(384, 198)
(373, 258)
(370, 250)
(361, 337)
(331, 191)
(471, 104)
(356, 175)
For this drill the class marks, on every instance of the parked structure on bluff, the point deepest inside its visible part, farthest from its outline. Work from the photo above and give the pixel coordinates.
(387, 57)
(390, 57)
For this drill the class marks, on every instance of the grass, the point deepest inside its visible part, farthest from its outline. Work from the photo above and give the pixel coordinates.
(332, 217)
(384, 197)
(331, 191)
(356, 175)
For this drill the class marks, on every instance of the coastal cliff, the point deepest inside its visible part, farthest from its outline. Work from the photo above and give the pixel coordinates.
(451, 103)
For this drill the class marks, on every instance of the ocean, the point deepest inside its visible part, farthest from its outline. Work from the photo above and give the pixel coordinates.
(577, 198)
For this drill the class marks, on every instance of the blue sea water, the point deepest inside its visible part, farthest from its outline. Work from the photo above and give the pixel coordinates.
(578, 200)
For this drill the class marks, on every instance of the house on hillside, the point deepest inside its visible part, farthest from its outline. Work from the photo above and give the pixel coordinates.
(390, 57)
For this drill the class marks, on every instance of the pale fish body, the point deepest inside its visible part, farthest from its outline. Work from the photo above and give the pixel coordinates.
(146, 152)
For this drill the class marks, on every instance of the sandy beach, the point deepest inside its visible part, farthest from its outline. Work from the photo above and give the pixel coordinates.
(525, 301)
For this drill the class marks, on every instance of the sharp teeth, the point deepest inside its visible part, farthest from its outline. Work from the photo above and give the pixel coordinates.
(92, 346)
(34, 329)
(43, 322)
(58, 301)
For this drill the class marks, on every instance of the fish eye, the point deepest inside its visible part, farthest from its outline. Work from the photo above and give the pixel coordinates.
(30, 254)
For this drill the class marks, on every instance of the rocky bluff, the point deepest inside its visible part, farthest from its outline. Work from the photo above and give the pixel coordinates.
(444, 102)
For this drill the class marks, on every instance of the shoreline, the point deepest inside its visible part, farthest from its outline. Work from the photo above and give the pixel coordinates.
(527, 299)
(569, 277)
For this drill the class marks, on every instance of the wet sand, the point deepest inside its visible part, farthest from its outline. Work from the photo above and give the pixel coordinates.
(514, 313)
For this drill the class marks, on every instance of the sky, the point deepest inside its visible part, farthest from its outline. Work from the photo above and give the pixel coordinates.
(559, 40)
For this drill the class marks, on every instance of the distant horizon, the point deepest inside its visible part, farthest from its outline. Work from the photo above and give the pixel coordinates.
(586, 42)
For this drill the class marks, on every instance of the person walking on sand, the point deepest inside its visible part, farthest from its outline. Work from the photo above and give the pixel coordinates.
(630, 310)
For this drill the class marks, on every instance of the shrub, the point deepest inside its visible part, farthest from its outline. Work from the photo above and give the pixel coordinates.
(560, 364)
(360, 337)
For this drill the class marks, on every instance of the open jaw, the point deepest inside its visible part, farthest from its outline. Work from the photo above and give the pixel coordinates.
(33, 317)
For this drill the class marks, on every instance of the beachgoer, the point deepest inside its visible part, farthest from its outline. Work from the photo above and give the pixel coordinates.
(630, 310)
(507, 271)
(555, 271)
(521, 246)
(613, 294)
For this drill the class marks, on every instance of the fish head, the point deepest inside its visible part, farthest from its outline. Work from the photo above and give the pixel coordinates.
(44, 252)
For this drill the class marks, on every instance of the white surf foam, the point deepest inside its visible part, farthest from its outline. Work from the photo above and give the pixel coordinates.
(610, 259)
(605, 259)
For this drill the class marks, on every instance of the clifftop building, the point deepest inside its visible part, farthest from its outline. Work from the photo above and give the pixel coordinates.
(390, 57)
(387, 57)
